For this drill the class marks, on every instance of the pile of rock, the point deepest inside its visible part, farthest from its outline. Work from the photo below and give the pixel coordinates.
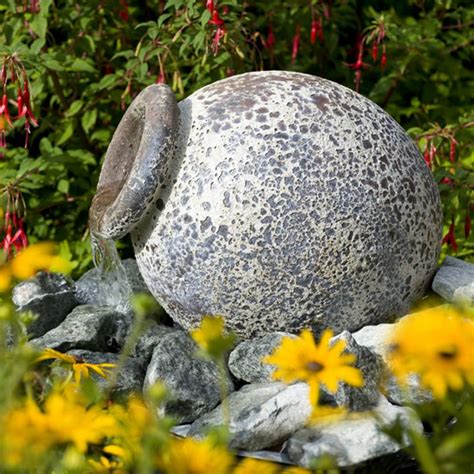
(264, 414)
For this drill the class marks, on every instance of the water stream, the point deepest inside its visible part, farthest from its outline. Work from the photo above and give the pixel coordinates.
(114, 288)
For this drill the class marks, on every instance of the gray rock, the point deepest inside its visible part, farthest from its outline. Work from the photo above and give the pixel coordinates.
(367, 396)
(50, 296)
(326, 215)
(454, 281)
(193, 382)
(129, 379)
(377, 339)
(95, 328)
(149, 339)
(90, 288)
(261, 415)
(245, 361)
(411, 392)
(352, 440)
(374, 338)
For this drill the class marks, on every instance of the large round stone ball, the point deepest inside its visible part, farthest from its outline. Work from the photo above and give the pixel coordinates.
(289, 202)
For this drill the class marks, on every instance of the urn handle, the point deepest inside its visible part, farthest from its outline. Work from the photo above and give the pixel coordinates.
(136, 162)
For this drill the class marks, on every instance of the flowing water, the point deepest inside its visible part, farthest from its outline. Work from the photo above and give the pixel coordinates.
(114, 288)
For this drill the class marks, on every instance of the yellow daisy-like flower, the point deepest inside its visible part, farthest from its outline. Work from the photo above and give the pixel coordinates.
(301, 359)
(190, 456)
(438, 345)
(36, 257)
(210, 336)
(5, 278)
(29, 431)
(254, 466)
(79, 368)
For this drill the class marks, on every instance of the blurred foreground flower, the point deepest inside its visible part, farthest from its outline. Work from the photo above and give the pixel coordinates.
(186, 456)
(79, 367)
(438, 345)
(301, 359)
(210, 337)
(29, 432)
(251, 466)
(36, 257)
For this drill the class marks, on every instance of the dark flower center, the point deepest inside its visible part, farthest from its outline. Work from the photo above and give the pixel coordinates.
(448, 353)
(314, 366)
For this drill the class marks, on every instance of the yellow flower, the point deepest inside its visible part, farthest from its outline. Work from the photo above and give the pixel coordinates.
(36, 257)
(296, 470)
(327, 414)
(438, 345)
(190, 456)
(5, 278)
(28, 431)
(254, 466)
(80, 369)
(210, 336)
(301, 359)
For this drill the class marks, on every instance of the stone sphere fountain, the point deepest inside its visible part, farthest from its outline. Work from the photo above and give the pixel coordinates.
(277, 199)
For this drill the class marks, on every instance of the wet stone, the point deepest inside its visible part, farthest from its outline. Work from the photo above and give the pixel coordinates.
(50, 296)
(89, 289)
(95, 328)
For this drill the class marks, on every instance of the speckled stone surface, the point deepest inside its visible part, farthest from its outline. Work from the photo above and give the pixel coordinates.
(288, 201)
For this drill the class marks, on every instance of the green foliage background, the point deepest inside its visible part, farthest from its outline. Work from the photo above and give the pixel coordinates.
(86, 61)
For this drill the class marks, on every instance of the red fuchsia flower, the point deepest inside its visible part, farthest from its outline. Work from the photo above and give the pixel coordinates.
(296, 44)
(216, 20)
(359, 64)
(220, 32)
(467, 224)
(314, 31)
(450, 237)
(4, 110)
(271, 40)
(375, 51)
(447, 180)
(210, 6)
(24, 110)
(452, 149)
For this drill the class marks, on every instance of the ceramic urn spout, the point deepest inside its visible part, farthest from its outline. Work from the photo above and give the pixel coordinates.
(135, 163)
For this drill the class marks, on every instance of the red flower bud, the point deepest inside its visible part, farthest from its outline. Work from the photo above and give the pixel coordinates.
(452, 150)
(296, 44)
(314, 31)
(4, 110)
(450, 237)
(375, 51)
(270, 38)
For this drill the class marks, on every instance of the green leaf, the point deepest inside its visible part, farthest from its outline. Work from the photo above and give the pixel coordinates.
(88, 119)
(67, 133)
(81, 65)
(75, 107)
(39, 25)
(63, 186)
